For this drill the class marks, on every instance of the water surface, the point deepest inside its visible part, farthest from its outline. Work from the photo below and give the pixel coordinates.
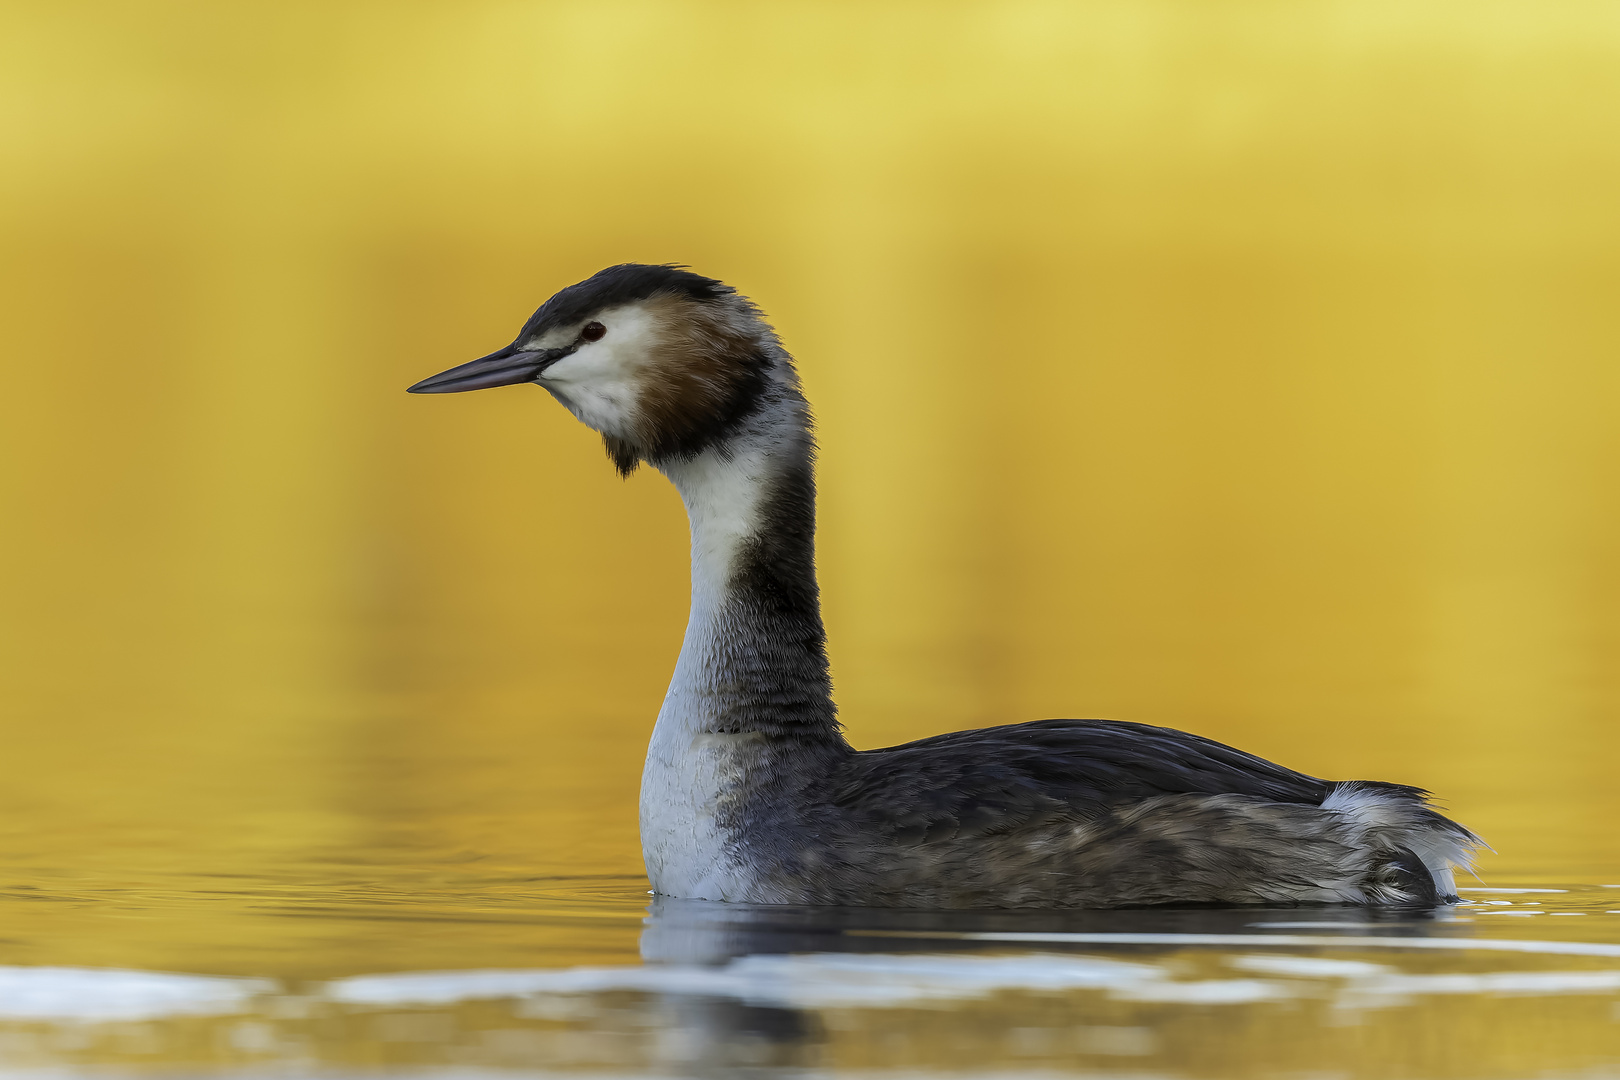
(1246, 369)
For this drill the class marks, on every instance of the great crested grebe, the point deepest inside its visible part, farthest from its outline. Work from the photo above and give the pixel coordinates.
(750, 792)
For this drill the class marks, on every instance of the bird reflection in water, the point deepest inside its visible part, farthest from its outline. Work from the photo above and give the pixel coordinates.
(784, 967)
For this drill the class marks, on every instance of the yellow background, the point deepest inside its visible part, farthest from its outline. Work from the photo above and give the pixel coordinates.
(1242, 367)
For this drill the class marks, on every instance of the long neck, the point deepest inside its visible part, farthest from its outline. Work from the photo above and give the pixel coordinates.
(754, 659)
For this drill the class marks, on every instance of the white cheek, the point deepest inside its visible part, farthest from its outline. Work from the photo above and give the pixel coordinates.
(591, 364)
(596, 389)
(609, 409)
(600, 383)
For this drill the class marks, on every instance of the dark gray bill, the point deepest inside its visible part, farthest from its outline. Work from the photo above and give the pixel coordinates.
(507, 367)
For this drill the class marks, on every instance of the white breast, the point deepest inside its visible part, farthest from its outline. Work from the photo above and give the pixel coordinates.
(682, 787)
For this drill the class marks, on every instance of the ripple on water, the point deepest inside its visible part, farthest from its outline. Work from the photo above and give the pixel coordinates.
(1241, 992)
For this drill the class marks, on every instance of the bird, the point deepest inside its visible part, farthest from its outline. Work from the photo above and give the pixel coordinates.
(750, 792)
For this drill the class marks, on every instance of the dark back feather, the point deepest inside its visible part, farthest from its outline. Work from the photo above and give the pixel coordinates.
(996, 779)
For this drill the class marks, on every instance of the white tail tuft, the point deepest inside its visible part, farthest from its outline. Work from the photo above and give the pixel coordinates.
(1388, 816)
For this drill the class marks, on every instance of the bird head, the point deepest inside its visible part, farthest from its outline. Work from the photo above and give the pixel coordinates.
(664, 363)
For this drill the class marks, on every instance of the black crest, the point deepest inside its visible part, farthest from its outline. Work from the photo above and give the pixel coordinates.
(622, 284)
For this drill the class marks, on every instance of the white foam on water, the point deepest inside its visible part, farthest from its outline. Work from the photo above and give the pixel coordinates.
(878, 980)
(104, 994)
(841, 980)
(1309, 967)
(1506, 983)
(1205, 992)
(812, 980)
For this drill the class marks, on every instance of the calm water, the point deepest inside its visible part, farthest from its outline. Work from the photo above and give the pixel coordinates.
(1249, 369)
(1514, 982)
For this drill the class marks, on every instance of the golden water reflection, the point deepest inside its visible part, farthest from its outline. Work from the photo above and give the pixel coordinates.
(1246, 370)
(1147, 993)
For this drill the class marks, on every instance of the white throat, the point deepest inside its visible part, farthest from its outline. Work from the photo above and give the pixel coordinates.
(722, 497)
(690, 765)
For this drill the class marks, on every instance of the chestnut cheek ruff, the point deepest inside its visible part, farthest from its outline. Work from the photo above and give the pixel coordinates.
(708, 376)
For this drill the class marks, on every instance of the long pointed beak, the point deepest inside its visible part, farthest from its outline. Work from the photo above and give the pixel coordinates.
(506, 367)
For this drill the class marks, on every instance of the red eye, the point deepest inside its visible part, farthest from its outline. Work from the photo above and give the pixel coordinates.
(593, 331)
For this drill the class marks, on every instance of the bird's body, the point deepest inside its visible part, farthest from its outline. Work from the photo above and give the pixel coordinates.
(750, 791)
